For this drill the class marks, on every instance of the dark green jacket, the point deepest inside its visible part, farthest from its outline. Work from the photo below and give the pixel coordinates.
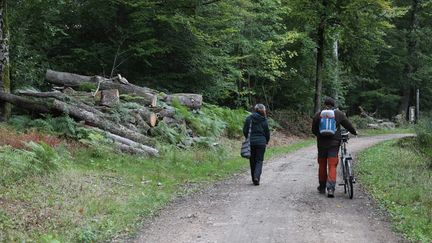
(260, 133)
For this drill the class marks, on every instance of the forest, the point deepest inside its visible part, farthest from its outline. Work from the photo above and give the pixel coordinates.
(287, 54)
(110, 110)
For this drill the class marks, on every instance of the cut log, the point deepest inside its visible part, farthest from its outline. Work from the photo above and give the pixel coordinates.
(110, 97)
(133, 150)
(149, 96)
(148, 116)
(139, 100)
(373, 126)
(140, 123)
(146, 149)
(54, 94)
(62, 97)
(131, 127)
(66, 79)
(101, 123)
(166, 112)
(193, 101)
(68, 90)
(28, 104)
(121, 140)
(388, 125)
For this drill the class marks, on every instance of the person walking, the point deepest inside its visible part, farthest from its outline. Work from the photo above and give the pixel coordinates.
(326, 126)
(259, 138)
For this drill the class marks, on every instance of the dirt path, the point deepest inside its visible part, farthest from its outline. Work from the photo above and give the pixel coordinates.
(285, 208)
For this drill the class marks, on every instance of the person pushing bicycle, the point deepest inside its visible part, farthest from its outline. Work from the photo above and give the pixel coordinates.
(326, 126)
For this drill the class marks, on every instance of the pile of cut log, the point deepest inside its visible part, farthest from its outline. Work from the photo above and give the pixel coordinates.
(374, 123)
(95, 100)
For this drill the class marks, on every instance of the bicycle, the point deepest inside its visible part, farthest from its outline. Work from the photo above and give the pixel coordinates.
(346, 166)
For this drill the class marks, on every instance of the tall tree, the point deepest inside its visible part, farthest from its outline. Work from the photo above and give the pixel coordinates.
(411, 64)
(5, 84)
(320, 55)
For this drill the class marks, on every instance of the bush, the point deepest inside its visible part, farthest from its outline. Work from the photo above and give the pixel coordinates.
(424, 137)
(169, 134)
(233, 119)
(213, 121)
(360, 122)
(293, 122)
(424, 132)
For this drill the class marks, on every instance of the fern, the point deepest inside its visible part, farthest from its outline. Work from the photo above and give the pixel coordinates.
(63, 125)
(39, 158)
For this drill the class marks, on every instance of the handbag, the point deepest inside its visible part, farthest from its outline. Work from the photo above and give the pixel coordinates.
(245, 150)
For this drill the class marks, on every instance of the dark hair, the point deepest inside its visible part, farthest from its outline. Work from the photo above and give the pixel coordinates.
(329, 102)
(261, 109)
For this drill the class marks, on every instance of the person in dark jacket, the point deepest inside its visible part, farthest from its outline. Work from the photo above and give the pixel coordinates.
(328, 147)
(259, 138)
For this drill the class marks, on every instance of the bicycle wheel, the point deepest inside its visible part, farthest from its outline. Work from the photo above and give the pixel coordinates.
(350, 188)
(349, 179)
(343, 174)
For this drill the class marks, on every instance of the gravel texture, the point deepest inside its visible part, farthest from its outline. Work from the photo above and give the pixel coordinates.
(286, 207)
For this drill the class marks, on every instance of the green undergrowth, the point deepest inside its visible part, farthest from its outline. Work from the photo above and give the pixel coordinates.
(213, 121)
(399, 177)
(62, 125)
(101, 195)
(384, 131)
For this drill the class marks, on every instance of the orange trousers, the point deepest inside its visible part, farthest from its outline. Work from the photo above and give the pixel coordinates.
(327, 171)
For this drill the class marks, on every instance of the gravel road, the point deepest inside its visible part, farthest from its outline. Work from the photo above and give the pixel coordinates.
(286, 207)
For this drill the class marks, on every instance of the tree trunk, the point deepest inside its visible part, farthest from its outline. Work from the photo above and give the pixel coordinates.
(63, 97)
(128, 145)
(143, 126)
(192, 101)
(5, 83)
(148, 96)
(66, 79)
(411, 65)
(136, 150)
(148, 116)
(320, 58)
(166, 112)
(101, 123)
(110, 97)
(336, 67)
(28, 104)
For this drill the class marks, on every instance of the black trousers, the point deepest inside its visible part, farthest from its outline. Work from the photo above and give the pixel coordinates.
(256, 160)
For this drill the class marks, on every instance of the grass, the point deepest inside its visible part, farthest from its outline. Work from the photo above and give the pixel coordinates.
(400, 179)
(383, 131)
(100, 195)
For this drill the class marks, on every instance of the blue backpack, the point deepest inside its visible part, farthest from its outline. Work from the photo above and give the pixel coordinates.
(327, 125)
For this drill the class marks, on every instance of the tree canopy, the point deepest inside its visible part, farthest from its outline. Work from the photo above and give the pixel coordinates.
(366, 53)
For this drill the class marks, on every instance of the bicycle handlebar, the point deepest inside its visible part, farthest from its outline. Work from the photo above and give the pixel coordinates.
(345, 134)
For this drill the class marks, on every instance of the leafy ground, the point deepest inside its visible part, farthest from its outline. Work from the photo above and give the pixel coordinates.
(399, 177)
(94, 194)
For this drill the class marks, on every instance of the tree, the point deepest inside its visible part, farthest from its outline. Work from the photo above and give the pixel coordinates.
(5, 83)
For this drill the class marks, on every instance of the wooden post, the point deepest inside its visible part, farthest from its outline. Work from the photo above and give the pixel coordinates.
(417, 105)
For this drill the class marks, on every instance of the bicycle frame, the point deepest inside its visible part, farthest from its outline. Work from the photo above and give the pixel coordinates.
(346, 166)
